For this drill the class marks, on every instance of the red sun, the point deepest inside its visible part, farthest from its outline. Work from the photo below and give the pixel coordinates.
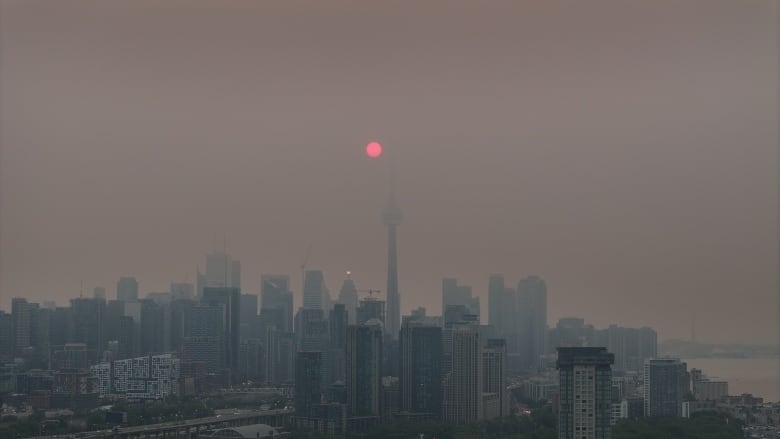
(373, 149)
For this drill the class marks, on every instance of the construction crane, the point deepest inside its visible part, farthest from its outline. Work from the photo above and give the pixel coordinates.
(370, 293)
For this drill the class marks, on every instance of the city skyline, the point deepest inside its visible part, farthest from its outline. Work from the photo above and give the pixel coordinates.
(627, 156)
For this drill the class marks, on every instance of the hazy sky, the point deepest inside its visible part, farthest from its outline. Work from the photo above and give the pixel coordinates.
(626, 151)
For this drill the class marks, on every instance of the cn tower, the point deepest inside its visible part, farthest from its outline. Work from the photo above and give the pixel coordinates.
(391, 216)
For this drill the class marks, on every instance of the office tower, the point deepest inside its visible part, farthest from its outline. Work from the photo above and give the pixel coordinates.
(631, 346)
(392, 216)
(454, 294)
(21, 310)
(463, 401)
(276, 301)
(115, 312)
(230, 301)
(248, 316)
(338, 322)
(497, 301)
(313, 289)
(89, 324)
(153, 328)
(280, 352)
(348, 296)
(200, 282)
(251, 358)
(421, 372)
(219, 270)
(585, 388)
(7, 336)
(371, 309)
(127, 289)
(180, 321)
(41, 336)
(311, 330)
(235, 274)
(459, 314)
(494, 374)
(61, 326)
(205, 342)
(665, 386)
(531, 320)
(99, 293)
(182, 290)
(364, 370)
(308, 382)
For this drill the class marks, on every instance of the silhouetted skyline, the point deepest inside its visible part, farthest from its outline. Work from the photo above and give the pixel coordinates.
(625, 152)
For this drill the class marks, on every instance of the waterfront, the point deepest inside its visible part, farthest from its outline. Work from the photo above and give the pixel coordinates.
(758, 376)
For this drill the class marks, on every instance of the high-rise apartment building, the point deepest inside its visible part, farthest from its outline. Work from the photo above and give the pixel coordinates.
(463, 389)
(494, 374)
(421, 372)
(364, 370)
(585, 387)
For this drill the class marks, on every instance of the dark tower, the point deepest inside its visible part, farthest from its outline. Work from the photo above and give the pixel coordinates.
(391, 216)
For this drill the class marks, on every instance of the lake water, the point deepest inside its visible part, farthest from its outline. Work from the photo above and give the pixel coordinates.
(758, 376)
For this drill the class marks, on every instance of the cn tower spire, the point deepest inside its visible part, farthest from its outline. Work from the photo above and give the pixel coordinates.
(391, 216)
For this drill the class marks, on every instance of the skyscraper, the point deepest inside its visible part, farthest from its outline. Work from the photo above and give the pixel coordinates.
(496, 302)
(230, 301)
(463, 384)
(21, 312)
(155, 334)
(248, 316)
(665, 386)
(364, 370)
(392, 216)
(222, 271)
(453, 294)
(89, 324)
(371, 309)
(494, 373)
(308, 382)
(531, 320)
(127, 289)
(420, 377)
(348, 296)
(338, 323)
(205, 341)
(313, 289)
(276, 301)
(585, 376)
